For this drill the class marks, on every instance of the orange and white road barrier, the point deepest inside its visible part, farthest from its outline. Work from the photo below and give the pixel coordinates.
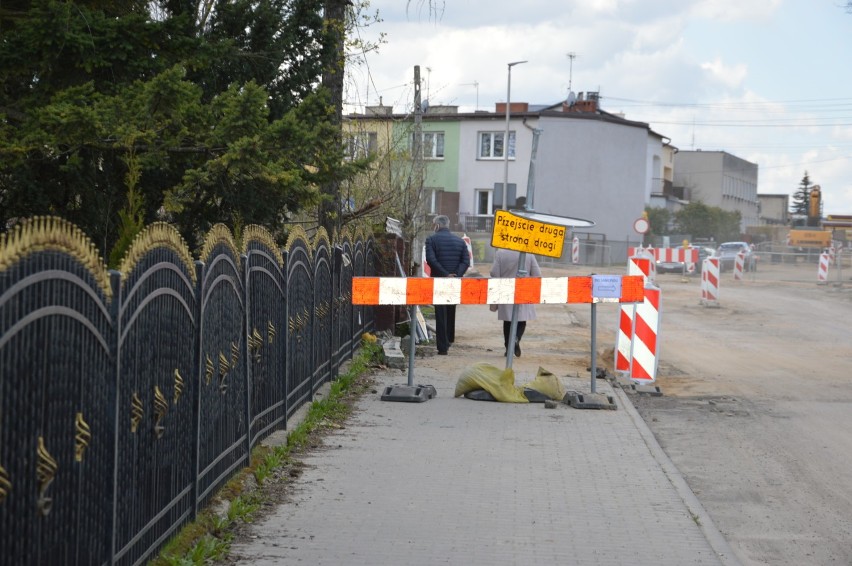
(666, 255)
(739, 265)
(575, 250)
(496, 291)
(645, 343)
(624, 334)
(822, 273)
(710, 282)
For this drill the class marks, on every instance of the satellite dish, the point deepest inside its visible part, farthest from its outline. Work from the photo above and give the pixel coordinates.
(424, 106)
(572, 98)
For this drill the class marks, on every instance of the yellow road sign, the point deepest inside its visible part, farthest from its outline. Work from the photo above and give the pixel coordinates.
(520, 234)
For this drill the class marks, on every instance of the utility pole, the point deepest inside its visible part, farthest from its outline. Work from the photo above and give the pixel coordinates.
(415, 187)
(571, 57)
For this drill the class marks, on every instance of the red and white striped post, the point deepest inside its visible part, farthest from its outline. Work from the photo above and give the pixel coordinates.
(469, 245)
(575, 250)
(739, 265)
(425, 270)
(645, 344)
(710, 282)
(624, 335)
(822, 273)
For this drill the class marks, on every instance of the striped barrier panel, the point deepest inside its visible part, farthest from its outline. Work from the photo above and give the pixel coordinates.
(425, 270)
(469, 245)
(667, 255)
(739, 266)
(651, 271)
(495, 291)
(822, 272)
(575, 250)
(710, 282)
(624, 335)
(644, 353)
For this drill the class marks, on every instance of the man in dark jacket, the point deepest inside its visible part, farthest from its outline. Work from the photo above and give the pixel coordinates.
(447, 256)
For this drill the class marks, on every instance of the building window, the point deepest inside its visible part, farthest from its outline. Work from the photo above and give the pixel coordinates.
(361, 145)
(432, 201)
(432, 144)
(484, 198)
(491, 145)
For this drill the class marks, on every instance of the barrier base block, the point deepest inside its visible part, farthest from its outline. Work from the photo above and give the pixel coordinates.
(409, 393)
(589, 401)
(651, 390)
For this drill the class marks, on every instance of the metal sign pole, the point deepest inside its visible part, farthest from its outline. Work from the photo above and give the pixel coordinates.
(594, 346)
(513, 328)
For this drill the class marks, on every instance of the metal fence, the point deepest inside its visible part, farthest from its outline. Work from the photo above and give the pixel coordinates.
(127, 398)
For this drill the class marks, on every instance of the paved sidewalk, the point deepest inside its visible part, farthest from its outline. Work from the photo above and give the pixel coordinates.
(455, 481)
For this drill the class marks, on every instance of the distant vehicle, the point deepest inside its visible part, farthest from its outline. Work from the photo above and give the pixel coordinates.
(678, 267)
(727, 254)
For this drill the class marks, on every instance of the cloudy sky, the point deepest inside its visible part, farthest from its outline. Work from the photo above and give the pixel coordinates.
(766, 80)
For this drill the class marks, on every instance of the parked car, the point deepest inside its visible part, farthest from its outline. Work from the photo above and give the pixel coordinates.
(727, 254)
(678, 267)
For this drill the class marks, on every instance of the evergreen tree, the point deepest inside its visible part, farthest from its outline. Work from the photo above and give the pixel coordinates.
(801, 198)
(216, 101)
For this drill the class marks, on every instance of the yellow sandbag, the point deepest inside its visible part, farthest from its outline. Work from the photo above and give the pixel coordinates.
(499, 382)
(547, 384)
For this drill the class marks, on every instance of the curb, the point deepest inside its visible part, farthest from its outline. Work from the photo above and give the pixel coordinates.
(720, 546)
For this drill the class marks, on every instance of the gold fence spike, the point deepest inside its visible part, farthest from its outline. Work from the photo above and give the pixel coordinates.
(5, 484)
(161, 407)
(208, 370)
(46, 468)
(82, 437)
(223, 372)
(235, 354)
(136, 412)
(179, 386)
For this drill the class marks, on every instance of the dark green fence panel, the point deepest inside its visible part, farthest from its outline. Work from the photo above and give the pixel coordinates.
(156, 425)
(57, 388)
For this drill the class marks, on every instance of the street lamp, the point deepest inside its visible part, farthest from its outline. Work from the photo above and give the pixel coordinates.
(506, 138)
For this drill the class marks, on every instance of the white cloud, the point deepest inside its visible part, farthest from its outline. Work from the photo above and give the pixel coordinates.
(732, 76)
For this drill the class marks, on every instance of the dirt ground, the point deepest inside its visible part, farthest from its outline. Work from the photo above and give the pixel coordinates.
(756, 410)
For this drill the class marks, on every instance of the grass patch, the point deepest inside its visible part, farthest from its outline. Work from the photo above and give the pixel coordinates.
(209, 537)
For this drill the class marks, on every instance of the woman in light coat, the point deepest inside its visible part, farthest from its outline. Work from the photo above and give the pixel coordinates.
(506, 265)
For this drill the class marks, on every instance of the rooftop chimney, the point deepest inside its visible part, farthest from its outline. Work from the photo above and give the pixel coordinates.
(513, 107)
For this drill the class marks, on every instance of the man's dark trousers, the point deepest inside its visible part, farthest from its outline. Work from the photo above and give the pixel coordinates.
(445, 326)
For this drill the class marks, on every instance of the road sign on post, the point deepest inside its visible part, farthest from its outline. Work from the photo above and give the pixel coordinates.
(513, 232)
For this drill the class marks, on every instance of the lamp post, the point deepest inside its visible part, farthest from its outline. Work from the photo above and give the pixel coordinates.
(506, 138)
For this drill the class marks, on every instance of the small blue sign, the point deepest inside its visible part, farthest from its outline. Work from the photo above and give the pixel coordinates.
(606, 286)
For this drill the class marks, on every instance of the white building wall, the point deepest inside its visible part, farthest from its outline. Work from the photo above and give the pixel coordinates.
(596, 170)
(720, 179)
(475, 173)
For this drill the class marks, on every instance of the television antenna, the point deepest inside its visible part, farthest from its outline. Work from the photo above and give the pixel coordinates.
(475, 83)
(571, 56)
